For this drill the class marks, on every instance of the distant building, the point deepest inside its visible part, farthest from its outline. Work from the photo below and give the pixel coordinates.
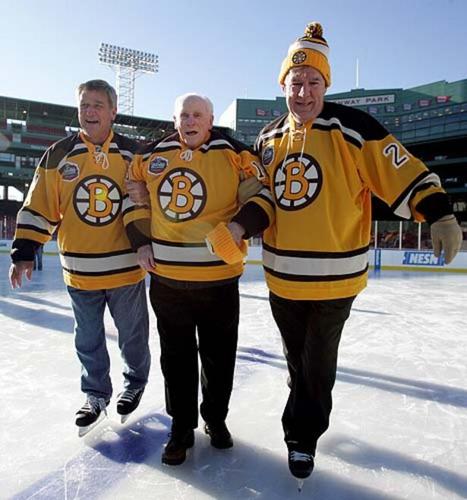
(28, 128)
(430, 120)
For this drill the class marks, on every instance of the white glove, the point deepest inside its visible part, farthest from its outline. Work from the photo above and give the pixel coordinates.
(446, 235)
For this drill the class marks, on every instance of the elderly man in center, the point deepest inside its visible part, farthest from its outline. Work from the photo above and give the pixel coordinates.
(192, 177)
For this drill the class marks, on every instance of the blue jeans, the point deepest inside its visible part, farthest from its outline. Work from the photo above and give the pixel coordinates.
(128, 307)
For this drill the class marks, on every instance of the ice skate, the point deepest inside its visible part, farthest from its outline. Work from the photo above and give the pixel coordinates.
(90, 414)
(127, 402)
(300, 465)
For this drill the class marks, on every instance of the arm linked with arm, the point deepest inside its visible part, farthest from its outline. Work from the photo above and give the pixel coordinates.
(136, 216)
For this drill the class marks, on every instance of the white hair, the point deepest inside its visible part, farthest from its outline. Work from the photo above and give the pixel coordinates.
(178, 105)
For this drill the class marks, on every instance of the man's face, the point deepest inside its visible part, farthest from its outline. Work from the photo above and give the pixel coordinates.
(95, 114)
(304, 90)
(194, 122)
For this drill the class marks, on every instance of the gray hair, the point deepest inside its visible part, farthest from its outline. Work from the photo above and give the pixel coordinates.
(101, 86)
(178, 104)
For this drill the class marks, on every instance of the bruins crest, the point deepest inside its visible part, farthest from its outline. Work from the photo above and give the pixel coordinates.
(97, 200)
(297, 182)
(299, 57)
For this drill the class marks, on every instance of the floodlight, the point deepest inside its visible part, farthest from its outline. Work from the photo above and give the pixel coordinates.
(129, 64)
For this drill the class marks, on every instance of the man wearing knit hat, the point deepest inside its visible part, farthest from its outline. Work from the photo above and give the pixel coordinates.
(323, 161)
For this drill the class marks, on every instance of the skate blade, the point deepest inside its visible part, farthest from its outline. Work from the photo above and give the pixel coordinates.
(82, 431)
(300, 485)
(124, 418)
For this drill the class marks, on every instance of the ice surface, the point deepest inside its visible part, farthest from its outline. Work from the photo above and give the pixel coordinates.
(398, 428)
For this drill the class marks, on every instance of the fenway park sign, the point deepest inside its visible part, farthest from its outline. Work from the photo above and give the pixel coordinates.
(364, 101)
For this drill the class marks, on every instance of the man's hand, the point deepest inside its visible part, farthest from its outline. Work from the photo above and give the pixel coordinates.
(446, 235)
(237, 232)
(146, 258)
(137, 191)
(17, 269)
(247, 189)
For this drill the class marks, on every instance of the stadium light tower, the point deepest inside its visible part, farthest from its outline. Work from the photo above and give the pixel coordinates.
(129, 64)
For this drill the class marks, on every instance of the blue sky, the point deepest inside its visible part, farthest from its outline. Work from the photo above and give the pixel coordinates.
(225, 49)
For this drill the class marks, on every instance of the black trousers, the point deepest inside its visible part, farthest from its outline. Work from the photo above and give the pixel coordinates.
(311, 331)
(213, 313)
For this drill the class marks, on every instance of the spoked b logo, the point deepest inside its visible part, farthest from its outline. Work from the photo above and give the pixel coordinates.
(182, 194)
(297, 181)
(97, 200)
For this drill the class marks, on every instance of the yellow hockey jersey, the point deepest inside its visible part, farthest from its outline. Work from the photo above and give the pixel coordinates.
(319, 203)
(191, 191)
(78, 189)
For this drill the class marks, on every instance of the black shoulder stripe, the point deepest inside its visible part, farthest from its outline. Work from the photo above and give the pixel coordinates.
(409, 188)
(125, 143)
(236, 145)
(276, 135)
(212, 147)
(268, 133)
(55, 154)
(163, 148)
(355, 119)
(153, 146)
(77, 152)
(276, 124)
(335, 126)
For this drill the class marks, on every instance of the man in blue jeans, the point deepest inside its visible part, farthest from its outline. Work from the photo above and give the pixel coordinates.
(78, 191)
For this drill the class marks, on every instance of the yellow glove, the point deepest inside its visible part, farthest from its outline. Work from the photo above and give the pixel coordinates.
(446, 235)
(247, 189)
(220, 242)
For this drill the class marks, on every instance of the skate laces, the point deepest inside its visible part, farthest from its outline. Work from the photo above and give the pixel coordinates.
(128, 394)
(298, 456)
(95, 404)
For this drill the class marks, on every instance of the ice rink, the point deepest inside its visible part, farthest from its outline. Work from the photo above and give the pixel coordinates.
(398, 428)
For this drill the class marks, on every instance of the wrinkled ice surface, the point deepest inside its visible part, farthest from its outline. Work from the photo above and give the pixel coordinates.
(398, 428)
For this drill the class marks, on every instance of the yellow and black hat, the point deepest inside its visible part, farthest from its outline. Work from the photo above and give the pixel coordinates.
(309, 50)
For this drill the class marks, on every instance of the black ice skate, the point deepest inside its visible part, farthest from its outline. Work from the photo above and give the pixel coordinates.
(301, 465)
(128, 401)
(90, 414)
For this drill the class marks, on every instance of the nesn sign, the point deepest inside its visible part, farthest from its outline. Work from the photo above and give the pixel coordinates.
(422, 259)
